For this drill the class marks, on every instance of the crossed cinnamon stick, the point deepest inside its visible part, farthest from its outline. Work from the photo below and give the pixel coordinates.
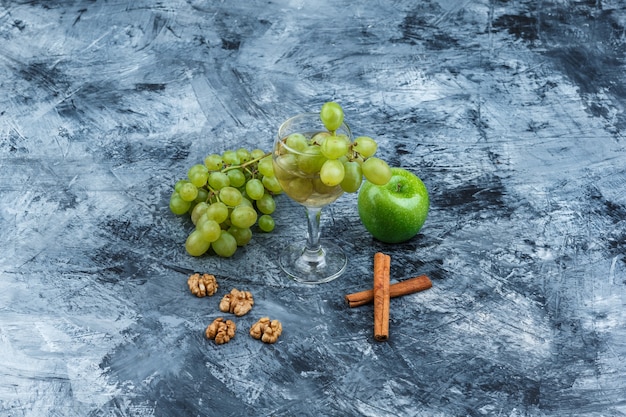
(382, 291)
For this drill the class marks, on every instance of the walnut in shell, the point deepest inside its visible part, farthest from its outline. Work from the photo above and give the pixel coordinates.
(202, 285)
(221, 331)
(267, 330)
(237, 302)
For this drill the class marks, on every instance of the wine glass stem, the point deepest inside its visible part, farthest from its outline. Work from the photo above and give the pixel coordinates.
(313, 222)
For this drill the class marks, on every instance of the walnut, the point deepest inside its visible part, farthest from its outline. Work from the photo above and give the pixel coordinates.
(202, 285)
(237, 302)
(221, 330)
(267, 330)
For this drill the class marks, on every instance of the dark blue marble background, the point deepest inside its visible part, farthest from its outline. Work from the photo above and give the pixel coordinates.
(512, 113)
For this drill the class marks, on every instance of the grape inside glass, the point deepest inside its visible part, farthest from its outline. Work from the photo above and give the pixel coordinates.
(297, 161)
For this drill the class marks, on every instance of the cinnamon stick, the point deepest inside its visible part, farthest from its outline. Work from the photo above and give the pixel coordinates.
(382, 266)
(408, 286)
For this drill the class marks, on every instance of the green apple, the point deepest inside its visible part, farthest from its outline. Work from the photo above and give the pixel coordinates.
(396, 211)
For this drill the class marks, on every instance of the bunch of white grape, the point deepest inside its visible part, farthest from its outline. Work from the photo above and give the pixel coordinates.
(226, 196)
(340, 163)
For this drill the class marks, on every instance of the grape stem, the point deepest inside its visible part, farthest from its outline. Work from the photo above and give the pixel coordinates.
(212, 193)
(245, 164)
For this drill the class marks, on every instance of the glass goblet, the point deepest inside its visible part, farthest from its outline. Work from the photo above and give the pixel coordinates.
(297, 161)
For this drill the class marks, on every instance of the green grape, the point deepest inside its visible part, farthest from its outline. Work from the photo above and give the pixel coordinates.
(257, 153)
(321, 188)
(331, 115)
(198, 175)
(236, 177)
(246, 201)
(213, 162)
(296, 142)
(179, 184)
(334, 147)
(198, 211)
(230, 158)
(311, 160)
(352, 178)
(266, 204)
(242, 236)
(230, 196)
(188, 192)
(332, 172)
(266, 167)
(203, 195)
(217, 211)
(319, 138)
(255, 189)
(344, 137)
(376, 171)
(365, 146)
(178, 206)
(209, 229)
(226, 245)
(243, 216)
(218, 180)
(272, 185)
(300, 189)
(287, 162)
(243, 154)
(266, 223)
(195, 244)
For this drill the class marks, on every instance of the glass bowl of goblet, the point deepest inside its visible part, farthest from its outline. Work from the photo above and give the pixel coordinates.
(297, 160)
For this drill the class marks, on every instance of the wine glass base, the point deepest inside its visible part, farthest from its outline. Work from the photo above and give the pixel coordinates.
(313, 267)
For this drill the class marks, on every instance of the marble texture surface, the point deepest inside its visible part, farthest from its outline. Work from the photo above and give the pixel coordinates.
(512, 113)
